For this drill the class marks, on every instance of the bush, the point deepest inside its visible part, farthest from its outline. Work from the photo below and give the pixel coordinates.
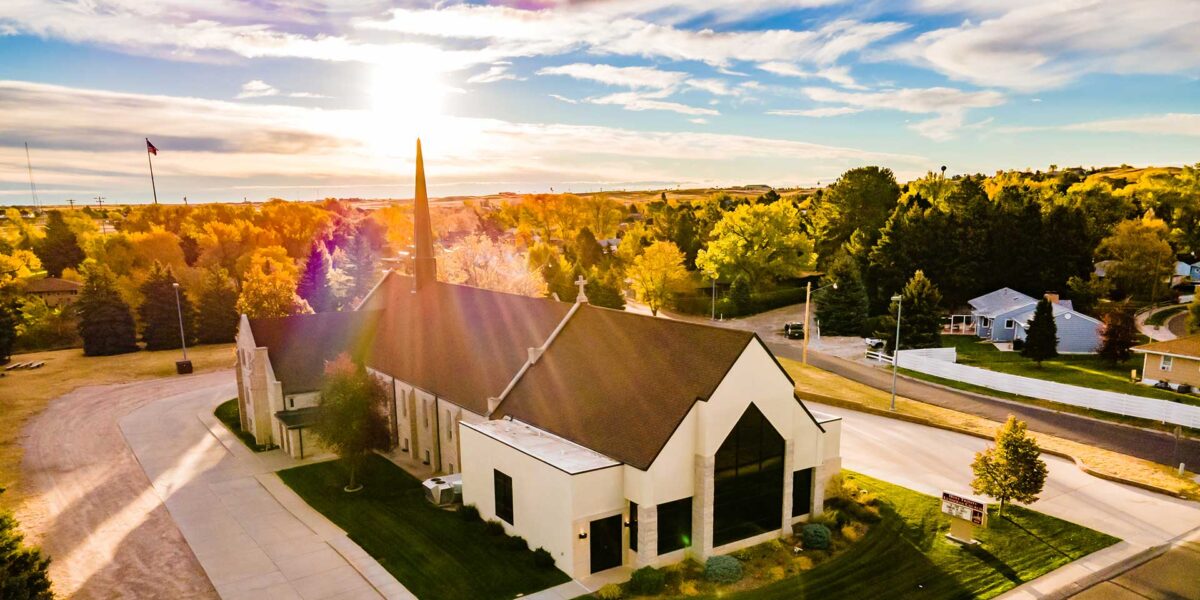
(647, 581)
(543, 559)
(1018, 345)
(853, 532)
(516, 543)
(1184, 388)
(804, 563)
(493, 528)
(469, 513)
(776, 573)
(610, 591)
(815, 536)
(723, 569)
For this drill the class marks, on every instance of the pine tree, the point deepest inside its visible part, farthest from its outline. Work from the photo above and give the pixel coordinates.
(60, 248)
(314, 280)
(1118, 335)
(9, 313)
(360, 265)
(842, 310)
(159, 313)
(920, 316)
(217, 317)
(604, 288)
(1012, 470)
(105, 321)
(24, 572)
(1041, 339)
(588, 252)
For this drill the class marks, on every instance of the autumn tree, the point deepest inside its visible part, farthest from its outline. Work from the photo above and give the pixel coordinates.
(860, 200)
(604, 288)
(314, 279)
(588, 252)
(1041, 339)
(920, 316)
(1118, 335)
(105, 321)
(60, 248)
(350, 419)
(841, 304)
(1143, 257)
(480, 262)
(757, 244)
(269, 288)
(1012, 469)
(657, 274)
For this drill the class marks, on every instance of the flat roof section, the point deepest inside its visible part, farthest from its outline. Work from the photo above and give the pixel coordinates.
(564, 455)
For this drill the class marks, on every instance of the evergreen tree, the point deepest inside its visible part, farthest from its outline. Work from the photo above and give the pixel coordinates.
(604, 288)
(920, 318)
(351, 418)
(360, 264)
(160, 315)
(314, 280)
(60, 248)
(861, 199)
(1041, 339)
(24, 572)
(1012, 469)
(105, 321)
(588, 252)
(1118, 335)
(217, 317)
(9, 313)
(842, 311)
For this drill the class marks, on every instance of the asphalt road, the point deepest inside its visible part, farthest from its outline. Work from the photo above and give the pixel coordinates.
(1157, 446)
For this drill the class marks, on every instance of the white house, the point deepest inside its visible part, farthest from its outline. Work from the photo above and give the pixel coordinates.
(607, 438)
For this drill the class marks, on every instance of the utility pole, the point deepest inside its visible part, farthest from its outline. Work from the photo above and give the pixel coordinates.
(37, 204)
(71, 201)
(899, 300)
(99, 202)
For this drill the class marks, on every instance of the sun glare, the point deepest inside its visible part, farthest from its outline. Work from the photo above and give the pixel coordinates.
(406, 101)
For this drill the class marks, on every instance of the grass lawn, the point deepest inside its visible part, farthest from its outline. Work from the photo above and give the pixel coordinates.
(227, 413)
(433, 552)
(24, 394)
(1084, 370)
(853, 395)
(1160, 317)
(907, 555)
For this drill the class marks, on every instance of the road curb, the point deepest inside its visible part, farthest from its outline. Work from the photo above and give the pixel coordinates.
(832, 401)
(1118, 568)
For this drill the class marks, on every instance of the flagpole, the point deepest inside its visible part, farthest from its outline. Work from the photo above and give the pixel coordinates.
(153, 188)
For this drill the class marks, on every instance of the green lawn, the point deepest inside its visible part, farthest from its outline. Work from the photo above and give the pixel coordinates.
(433, 552)
(1084, 370)
(907, 555)
(227, 413)
(1160, 317)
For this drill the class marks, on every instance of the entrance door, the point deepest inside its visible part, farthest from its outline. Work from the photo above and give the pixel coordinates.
(606, 543)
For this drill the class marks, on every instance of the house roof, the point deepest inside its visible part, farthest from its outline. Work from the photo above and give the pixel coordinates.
(299, 345)
(621, 383)
(999, 302)
(562, 454)
(1188, 347)
(51, 284)
(461, 343)
(299, 418)
(1059, 309)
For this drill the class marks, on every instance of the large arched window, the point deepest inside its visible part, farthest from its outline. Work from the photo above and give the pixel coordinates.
(748, 487)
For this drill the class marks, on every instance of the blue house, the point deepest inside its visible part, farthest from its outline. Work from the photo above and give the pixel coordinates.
(1004, 315)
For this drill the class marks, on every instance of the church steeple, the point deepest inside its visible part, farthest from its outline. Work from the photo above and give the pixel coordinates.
(425, 265)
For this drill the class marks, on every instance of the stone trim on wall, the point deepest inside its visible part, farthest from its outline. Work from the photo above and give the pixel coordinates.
(702, 507)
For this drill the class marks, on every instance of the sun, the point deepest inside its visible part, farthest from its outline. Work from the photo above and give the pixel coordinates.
(406, 101)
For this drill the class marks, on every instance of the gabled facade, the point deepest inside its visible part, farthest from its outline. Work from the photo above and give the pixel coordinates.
(1004, 315)
(1172, 362)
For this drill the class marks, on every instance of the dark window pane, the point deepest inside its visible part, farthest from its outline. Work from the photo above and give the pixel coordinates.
(751, 501)
(674, 525)
(802, 482)
(504, 497)
(633, 526)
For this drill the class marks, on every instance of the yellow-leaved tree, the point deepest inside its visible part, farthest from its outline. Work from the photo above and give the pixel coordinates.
(657, 274)
(269, 286)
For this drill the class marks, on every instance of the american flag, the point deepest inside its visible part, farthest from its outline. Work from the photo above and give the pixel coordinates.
(150, 147)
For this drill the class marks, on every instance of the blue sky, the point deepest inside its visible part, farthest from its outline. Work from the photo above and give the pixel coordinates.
(305, 99)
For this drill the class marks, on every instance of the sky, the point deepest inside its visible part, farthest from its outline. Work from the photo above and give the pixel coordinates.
(307, 99)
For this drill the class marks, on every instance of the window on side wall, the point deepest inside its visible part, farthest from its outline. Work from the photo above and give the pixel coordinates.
(1009, 323)
(504, 496)
(1165, 364)
(674, 525)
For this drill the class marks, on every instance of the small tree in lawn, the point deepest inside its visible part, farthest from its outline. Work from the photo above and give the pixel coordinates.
(350, 420)
(1041, 339)
(1012, 470)
(1118, 335)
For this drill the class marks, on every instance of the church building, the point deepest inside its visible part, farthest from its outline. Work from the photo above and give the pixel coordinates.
(608, 438)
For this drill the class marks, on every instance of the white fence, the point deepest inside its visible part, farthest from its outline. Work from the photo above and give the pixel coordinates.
(941, 364)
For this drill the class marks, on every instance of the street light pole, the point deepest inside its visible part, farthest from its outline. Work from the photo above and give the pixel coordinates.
(899, 300)
(179, 311)
(714, 298)
(808, 302)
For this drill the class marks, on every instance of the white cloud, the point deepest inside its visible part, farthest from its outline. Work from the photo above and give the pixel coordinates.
(564, 99)
(630, 77)
(1038, 45)
(948, 104)
(699, 121)
(1185, 124)
(256, 88)
(834, 74)
(640, 101)
(496, 72)
(832, 111)
(719, 87)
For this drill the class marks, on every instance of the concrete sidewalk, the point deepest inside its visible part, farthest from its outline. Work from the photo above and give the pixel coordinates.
(253, 537)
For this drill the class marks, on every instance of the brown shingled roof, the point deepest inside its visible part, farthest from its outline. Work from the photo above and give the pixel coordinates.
(1184, 346)
(620, 383)
(464, 344)
(299, 345)
(51, 284)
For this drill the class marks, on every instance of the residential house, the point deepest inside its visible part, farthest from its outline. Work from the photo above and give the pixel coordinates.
(54, 291)
(1004, 315)
(1173, 362)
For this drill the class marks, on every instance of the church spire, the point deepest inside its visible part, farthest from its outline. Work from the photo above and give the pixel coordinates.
(425, 266)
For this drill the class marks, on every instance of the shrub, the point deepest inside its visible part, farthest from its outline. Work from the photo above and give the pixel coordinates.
(804, 563)
(853, 532)
(1184, 388)
(543, 559)
(647, 581)
(610, 591)
(689, 588)
(493, 528)
(516, 543)
(469, 513)
(723, 569)
(776, 573)
(815, 536)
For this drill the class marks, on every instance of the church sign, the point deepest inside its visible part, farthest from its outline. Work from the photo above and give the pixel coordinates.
(966, 513)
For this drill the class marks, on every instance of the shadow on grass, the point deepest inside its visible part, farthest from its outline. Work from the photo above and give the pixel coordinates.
(996, 564)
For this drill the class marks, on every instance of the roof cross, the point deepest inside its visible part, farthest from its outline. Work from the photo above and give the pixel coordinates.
(581, 283)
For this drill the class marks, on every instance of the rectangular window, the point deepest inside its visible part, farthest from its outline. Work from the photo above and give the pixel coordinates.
(449, 426)
(802, 492)
(405, 448)
(674, 525)
(427, 457)
(504, 496)
(1166, 362)
(1009, 323)
(633, 526)
(425, 413)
